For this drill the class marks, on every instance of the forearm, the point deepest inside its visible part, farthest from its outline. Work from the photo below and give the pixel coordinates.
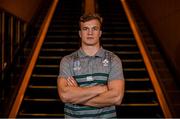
(97, 96)
(108, 98)
(79, 95)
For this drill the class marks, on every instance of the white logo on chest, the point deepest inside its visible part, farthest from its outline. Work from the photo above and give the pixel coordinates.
(105, 62)
(77, 66)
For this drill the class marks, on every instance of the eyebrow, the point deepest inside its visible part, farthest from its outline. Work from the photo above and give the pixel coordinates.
(90, 27)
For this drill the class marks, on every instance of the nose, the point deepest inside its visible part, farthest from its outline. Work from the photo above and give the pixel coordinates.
(90, 32)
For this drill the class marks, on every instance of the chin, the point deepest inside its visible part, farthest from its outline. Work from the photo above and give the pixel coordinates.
(88, 44)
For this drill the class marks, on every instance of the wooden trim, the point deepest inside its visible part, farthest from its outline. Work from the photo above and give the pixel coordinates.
(3, 35)
(11, 38)
(152, 74)
(18, 23)
(24, 29)
(40, 38)
(89, 6)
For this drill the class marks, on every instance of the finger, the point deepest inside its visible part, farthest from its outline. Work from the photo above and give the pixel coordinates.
(69, 82)
(73, 81)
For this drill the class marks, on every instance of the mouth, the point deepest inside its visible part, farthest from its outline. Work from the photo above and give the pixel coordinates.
(89, 38)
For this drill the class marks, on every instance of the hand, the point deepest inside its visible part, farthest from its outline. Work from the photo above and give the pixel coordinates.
(71, 82)
(103, 89)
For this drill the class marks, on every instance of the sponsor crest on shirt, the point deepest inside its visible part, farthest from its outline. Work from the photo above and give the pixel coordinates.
(89, 78)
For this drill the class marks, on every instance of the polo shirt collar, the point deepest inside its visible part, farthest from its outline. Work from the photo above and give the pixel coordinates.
(100, 53)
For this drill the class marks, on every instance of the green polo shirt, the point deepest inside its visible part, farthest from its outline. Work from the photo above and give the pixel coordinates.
(87, 70)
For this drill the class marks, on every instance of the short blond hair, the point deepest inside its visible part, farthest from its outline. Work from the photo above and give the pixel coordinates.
(88, 17)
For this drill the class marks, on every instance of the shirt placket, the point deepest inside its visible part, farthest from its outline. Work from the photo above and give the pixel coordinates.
(90, 77)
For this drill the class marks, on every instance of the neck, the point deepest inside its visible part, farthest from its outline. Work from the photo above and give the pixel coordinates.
(90, 50)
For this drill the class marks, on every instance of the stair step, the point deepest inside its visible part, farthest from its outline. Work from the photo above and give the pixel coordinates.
(48, 88)
(141, 105)
(57, 100)
(44, 76)
(76, 43)
(50, 57)
(41, 115)
(41, 98)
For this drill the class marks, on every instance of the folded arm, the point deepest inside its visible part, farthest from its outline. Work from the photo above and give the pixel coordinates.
(113, 96)
(70, 92)
(96, 96)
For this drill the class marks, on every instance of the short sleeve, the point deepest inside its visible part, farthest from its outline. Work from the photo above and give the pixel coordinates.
(116, 70)
(65, 69)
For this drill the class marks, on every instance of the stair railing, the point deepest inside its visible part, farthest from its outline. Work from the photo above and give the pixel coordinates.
(152, 74)
(40, 38)
(12, 35)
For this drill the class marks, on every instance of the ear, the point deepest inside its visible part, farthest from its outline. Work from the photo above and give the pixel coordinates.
(80, 33)
(100, 33)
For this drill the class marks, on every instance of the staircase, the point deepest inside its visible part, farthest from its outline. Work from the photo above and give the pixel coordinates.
(41, 97)
(140, 99)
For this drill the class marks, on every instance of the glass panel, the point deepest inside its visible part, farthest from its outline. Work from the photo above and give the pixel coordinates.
(16, 35)
(7, 41)
(1, 63)
(1, 41)
(23, 42)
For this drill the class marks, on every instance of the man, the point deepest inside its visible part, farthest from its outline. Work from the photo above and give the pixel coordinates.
(91, 80)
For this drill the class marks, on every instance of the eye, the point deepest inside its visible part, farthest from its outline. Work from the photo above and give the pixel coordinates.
(84, 28)
(95, 28)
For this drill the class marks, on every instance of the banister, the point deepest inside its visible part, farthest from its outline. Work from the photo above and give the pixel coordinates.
(152, 74)
(40, 38)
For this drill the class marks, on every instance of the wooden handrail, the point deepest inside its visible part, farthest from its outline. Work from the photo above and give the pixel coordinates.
(148, 64)
(40, 39)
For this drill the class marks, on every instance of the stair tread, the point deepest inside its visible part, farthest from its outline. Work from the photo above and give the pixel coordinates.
(42, 114)
(63, 49)
(116, 37)
(76, 43)
(153, 103)
(127, 91)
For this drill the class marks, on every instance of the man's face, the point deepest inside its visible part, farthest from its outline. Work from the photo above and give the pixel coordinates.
(90, 32)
